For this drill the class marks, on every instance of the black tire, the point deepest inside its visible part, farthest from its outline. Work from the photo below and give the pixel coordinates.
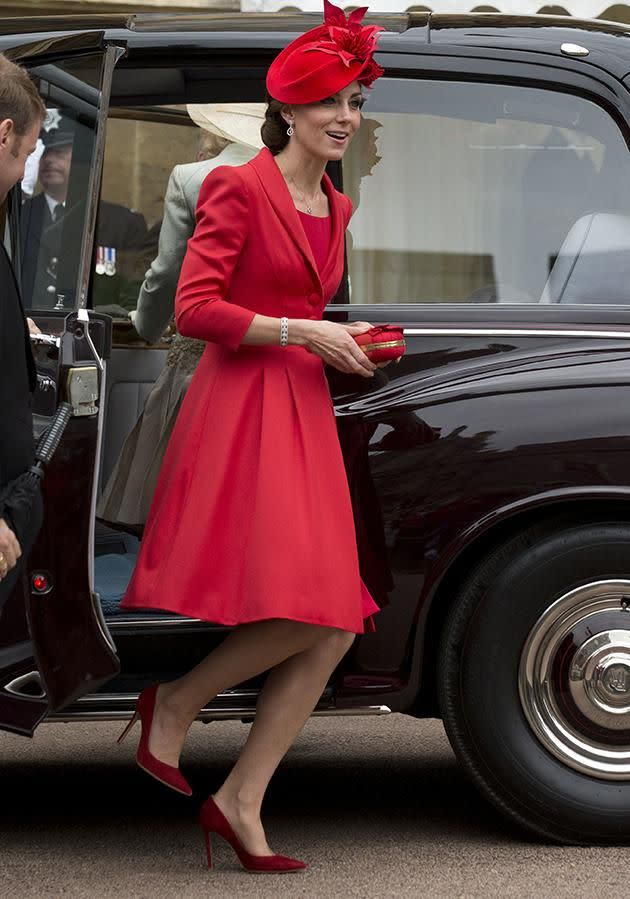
(478, 667)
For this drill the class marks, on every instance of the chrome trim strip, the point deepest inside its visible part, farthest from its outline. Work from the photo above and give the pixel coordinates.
(117, 698)
(357, 710)
(84, 316)
(122, 624)
(100, 424)
(219, 715)
(511, 332)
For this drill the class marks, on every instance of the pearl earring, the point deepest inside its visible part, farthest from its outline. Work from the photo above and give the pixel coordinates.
(290, 129)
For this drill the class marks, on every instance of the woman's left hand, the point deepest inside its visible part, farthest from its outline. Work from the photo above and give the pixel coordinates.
(356, 327)
(361, 328)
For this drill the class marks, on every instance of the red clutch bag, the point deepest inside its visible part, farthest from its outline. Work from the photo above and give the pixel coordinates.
(382, 343)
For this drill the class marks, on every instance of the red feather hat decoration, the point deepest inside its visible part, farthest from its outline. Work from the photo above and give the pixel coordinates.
(324, 60)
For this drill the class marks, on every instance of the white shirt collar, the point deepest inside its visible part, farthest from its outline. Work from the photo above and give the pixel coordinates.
(52, 203)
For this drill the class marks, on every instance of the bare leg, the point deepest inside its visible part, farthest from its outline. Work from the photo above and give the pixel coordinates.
(289, 695)
(249, 650)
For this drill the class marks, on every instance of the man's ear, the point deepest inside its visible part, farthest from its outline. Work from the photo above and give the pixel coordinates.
(7, 130)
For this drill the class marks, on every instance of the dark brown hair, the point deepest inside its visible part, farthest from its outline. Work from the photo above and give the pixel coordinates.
(274, 128)
(19, 100)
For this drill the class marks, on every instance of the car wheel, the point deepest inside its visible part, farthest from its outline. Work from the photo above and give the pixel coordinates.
(534, 681)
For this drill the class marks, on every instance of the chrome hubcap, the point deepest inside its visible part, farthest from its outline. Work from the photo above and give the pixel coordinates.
(574, 679)
(600, 679)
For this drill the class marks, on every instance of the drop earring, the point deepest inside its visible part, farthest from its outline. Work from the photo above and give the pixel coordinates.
(290, 129)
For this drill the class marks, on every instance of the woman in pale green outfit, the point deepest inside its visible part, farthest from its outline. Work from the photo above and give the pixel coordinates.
(128, 493)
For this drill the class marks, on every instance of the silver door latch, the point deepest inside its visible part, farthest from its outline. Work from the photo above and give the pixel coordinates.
(82, 389)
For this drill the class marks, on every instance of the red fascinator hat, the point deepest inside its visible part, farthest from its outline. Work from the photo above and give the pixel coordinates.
(324, 60)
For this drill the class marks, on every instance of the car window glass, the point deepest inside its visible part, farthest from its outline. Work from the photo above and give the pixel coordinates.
(55, 189)
(474, 192)
(150, 151)
(142, 147)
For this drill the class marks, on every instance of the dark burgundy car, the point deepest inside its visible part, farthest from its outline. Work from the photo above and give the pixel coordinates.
(489, 471)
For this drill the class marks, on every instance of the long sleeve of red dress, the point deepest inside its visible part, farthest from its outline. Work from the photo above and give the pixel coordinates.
(202, 305)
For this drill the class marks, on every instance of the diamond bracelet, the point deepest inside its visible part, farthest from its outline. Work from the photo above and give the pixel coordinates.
(284, 331)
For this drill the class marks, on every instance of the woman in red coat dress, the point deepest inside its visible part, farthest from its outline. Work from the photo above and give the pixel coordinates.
(251, 524)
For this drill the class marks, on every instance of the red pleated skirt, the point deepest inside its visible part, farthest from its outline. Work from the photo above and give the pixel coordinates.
(251, 518)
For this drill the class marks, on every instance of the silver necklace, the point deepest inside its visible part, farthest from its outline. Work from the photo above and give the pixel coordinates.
(302, 197)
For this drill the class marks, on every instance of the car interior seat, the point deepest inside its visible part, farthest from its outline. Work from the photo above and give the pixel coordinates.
(593, 265)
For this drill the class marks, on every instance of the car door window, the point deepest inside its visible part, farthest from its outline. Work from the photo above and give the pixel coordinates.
(141, 150)
(55, 191)
(469, 192)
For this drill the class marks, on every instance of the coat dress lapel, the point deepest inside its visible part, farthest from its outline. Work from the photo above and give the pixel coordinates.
(277, 192)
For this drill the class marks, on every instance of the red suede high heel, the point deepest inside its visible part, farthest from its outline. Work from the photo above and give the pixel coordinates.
(167, 774)
(213, 820)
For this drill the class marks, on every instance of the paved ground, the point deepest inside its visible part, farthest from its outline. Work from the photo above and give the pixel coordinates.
(378, 806)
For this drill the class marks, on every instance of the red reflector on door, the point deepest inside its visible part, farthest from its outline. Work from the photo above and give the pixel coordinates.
(41, 584)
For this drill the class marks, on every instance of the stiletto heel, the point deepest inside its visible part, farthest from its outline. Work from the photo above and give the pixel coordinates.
(134, 718)
(169, 775)
(213, 820)
(208, 848)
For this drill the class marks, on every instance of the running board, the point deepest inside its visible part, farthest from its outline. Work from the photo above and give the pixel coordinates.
(81, 710)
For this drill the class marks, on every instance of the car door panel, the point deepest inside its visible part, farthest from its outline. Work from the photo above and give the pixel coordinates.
(54, 645)
(475, 424)
(74, 651)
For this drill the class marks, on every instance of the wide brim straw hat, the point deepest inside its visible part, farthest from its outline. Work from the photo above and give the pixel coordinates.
(237, 122)
(324, 60)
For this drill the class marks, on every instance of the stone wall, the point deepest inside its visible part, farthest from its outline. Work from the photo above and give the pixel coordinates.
(139, 157)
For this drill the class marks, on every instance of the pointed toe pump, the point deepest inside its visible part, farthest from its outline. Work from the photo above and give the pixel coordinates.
(167, 774)
(213, 820)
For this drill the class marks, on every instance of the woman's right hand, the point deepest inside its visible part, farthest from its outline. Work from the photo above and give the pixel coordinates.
(335, 345)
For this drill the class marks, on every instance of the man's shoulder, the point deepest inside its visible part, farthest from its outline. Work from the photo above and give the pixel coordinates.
(32, 205)
(35, 201)
(5, 263)
(118, 211)
(32, 218)
(120, 227)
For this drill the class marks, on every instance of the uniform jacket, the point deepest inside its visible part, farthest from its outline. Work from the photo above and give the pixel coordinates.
(242, 256)
(117, 227)
(157, 295)
(18, 380)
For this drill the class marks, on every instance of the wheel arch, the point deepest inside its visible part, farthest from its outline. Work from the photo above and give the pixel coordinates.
(441, 592)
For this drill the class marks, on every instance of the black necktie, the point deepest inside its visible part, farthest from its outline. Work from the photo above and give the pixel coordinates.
(58, 212)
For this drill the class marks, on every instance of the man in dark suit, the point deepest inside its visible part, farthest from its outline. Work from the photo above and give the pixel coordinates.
(21, 115)
(42, 220)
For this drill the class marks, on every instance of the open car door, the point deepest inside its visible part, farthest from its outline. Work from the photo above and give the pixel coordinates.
(54, 644)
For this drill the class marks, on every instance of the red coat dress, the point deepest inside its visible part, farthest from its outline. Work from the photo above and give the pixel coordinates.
(251, 517)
